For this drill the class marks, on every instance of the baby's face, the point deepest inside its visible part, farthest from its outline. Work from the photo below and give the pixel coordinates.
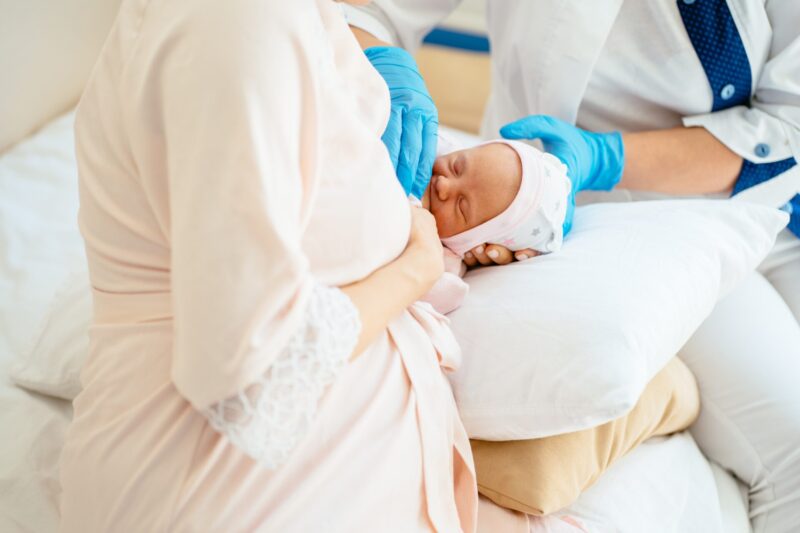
(472, 186)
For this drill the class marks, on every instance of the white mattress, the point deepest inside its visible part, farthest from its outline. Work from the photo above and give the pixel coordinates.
(664, 485)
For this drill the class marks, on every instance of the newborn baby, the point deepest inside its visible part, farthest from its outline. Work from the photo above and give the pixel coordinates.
(501, 192)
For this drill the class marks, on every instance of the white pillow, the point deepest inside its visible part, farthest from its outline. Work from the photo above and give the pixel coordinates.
(662, 486)
(569, 340)
(59, 349)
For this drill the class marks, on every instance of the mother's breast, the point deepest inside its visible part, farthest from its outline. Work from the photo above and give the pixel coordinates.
(360, 216)
(354, 230)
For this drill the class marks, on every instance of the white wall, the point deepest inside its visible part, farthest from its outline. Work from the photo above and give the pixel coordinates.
(47, 48)
(470, 15)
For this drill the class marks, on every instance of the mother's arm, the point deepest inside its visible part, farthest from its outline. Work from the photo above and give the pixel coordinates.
(389, 290)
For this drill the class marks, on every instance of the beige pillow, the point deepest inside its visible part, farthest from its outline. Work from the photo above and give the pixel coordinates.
(541, 476)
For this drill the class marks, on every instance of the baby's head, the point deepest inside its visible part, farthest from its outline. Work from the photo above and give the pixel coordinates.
(502, 192)
(469, 187)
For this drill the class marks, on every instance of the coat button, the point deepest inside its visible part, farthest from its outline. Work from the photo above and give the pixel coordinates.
(762, 150)
(788, 207)
(688, 2)
(727, 92)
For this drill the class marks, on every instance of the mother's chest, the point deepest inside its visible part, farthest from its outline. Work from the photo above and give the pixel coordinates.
(359, 220)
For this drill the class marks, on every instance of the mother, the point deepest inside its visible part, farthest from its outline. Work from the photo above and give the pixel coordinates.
(257, 362)
(707, 93)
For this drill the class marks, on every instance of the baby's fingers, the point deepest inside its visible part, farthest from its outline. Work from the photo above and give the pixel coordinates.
(480, 254)
(522, 255)
(499, 254)
(470, 260)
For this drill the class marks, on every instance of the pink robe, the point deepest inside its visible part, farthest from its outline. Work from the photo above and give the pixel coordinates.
(230, 159)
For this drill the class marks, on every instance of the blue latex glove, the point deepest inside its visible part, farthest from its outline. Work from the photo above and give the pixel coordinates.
(411, 134)
(594, 160)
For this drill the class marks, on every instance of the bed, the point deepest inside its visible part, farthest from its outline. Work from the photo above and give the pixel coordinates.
(664, 485)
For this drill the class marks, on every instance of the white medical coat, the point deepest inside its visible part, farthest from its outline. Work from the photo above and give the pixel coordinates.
(609, 64)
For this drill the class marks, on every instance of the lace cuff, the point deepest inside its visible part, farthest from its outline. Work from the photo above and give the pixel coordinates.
(269, 417)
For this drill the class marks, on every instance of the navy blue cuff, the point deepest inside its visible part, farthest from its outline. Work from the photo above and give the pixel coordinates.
(793, 208)
(753, 174)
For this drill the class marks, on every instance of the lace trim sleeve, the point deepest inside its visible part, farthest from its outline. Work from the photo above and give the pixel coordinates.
(269, 417)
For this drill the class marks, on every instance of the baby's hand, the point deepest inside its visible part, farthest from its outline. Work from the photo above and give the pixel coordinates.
(494, 254)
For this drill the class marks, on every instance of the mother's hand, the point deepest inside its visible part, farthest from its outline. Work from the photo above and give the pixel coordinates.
(424, 249)
(495, 254)
(411, 133)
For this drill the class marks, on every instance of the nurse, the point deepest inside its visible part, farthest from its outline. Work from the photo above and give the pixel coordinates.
(699, 97)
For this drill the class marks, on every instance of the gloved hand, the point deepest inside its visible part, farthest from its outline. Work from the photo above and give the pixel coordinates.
(594, 160)
(413, 125)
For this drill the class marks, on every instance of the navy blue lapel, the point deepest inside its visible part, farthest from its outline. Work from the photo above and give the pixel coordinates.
(719, 46)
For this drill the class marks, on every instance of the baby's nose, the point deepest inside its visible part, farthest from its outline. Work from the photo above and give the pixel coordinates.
(443, 187)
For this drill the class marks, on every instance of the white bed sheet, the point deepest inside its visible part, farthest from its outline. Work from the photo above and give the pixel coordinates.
(40, 246)
(663, 486)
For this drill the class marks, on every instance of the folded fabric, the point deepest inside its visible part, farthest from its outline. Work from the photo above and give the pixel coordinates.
(53, 363)
(541, 476)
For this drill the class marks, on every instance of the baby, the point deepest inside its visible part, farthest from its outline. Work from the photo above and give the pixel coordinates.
(501, 192)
